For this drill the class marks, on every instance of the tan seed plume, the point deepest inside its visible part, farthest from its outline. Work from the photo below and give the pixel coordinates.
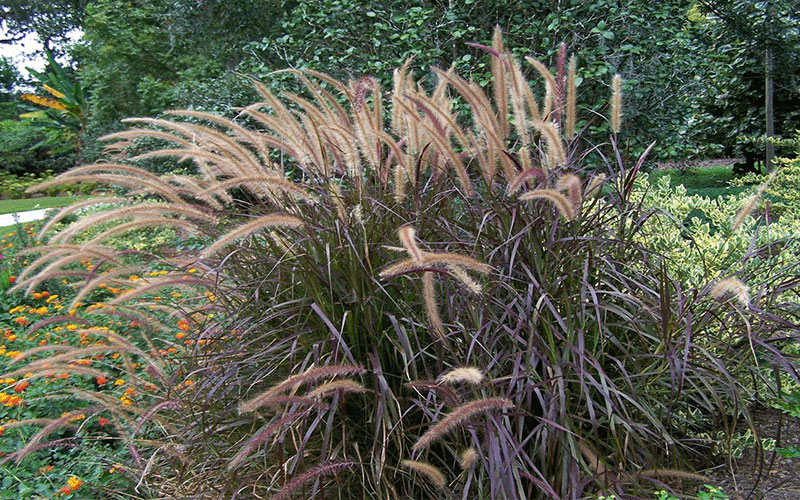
(431, 473)
(616, 104)
(466, 374)
(731, 287)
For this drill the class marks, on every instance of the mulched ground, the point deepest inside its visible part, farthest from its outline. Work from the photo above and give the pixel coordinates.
(778, 478)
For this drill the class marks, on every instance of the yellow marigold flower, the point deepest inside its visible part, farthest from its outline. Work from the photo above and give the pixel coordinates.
(119, 381)
(114, 469)
(51, 298)
(72, 327)
(4, 397)
(74, 482)
(125, 400)
(13, 354)
(133, 277)
(192, 270)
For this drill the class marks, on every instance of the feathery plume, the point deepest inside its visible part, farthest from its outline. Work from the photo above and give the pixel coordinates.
(461, 275)
(407, 236)
(312, 475)
(248, 229)
(569, 129)
(551, 87)
(746, 210)
(499, 85)
(517, 182)
(431, 473)
(447, 394)
(731, 287)
(346, 385)
(312, 374)
(431, 307)
(466, 374)
(595, 186)
(457, 417)
(263, 435)
(616, 104)
(555, 148)
(594, 462)
(572, 185)
(752, 201)
(46, 430)
(74, 208)
(561, 202)
(561, 78)
(467, 458)
(673, 473)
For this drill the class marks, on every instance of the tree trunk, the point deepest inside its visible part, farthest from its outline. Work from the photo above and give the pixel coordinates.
(769, 109)
(769, 92)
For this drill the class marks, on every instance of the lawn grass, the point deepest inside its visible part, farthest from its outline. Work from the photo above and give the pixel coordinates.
(11, 206)
(711, 182)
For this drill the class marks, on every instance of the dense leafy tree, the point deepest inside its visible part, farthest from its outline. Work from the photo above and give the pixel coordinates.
(648, 43)
(141, 58)
(739, 34)
(9, 77)
(51, 20)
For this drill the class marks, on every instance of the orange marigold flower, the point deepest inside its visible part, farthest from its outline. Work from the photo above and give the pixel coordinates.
(102, 421)
(22, 321)
(21, 386)
(183, 324)
(180, 335)
(12, 279)
(65, 490)
(101, 380)
(37, 295)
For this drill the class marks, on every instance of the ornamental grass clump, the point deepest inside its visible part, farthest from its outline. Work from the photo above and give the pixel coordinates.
(398, 280)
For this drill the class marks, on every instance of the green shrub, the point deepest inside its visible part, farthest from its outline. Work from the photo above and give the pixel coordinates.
(23, 150)
(392, 310)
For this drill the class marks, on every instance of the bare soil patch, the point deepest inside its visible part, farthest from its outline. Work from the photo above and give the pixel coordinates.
(774, 478)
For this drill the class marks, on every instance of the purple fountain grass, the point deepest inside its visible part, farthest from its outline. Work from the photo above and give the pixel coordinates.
(457, 417)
